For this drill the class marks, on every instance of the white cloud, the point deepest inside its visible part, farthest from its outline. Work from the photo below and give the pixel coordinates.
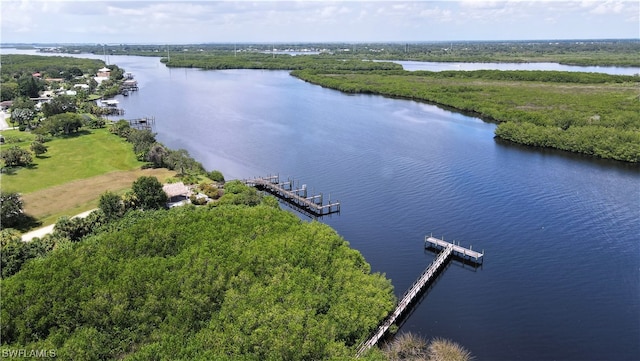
(609, 7)
(122, 21)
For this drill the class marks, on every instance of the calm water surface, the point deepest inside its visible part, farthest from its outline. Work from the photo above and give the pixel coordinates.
(435, 66)
(561, 277)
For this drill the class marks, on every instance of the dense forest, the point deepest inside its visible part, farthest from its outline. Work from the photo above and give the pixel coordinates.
(227, 282)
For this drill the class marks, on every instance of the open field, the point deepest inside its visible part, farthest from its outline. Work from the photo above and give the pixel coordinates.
(68, 159)
(75, 171)
(69, 199)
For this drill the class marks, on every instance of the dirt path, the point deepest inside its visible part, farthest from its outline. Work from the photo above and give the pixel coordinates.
(41, 232)
(3, 120)
(81, 193)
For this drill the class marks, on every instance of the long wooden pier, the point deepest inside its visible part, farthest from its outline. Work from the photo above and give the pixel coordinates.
(447, 251)
(297, 197)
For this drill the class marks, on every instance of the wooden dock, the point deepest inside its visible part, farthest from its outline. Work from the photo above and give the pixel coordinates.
(145, 123)
(466, 253)
(298, 197)
(447, 251)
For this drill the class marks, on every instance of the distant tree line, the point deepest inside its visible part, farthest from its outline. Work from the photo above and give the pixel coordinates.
(275, 62)
(583, 52)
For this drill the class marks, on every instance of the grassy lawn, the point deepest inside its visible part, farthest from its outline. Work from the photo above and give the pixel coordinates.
(69, 199)
(68, 159)
(75, 171)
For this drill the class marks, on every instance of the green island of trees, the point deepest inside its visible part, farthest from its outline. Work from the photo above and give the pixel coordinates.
(226, 282)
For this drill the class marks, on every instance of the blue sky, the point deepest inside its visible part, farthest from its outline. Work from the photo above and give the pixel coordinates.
(172, 22)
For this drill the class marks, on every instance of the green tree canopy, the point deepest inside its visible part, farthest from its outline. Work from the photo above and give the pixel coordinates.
(58, 105)
(23, 103)
(157, 155)
(198, 284)
(28, 86)
(11, 206)
(65, 123)
(148, 193)
(111, 205)
(15, 156)
(142, 141)
(8, 90)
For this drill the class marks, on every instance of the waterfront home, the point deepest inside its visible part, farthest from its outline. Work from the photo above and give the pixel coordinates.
(104, 72)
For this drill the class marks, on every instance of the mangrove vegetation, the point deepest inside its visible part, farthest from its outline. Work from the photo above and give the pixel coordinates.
(225, 282)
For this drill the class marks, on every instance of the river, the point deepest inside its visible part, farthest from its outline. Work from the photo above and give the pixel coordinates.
(561, 276)
(434, 66)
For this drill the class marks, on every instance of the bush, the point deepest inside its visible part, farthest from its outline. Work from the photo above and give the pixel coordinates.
(16, 156)
(38, 148)
(409, 346)
(209, 190)
(445, 350)
(198, 201)
(216, 176)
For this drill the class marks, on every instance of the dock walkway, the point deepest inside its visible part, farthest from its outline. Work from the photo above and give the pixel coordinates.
(457, 250)
(408, 297)
(447, 251)
(297, 197)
